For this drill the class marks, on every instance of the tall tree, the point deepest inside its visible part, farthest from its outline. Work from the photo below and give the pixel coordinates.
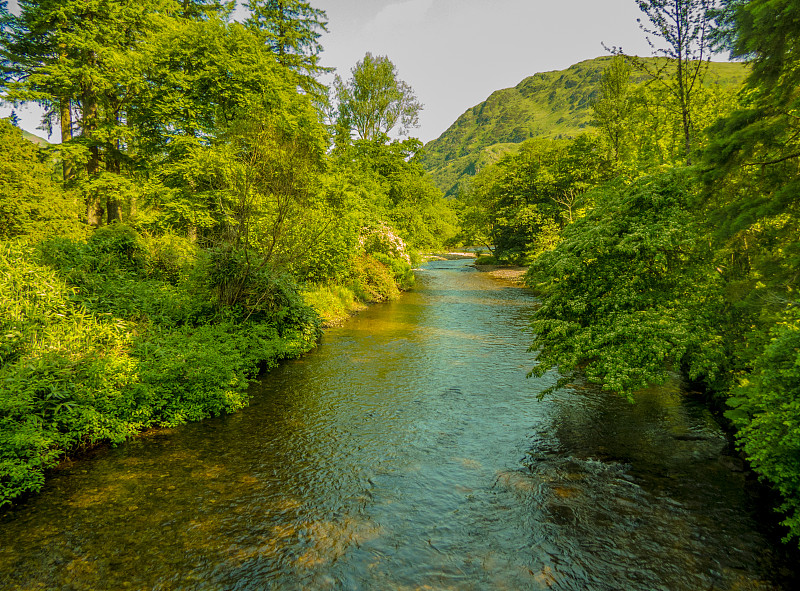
(73, 57)
(5, 26)
(613, 106)
(684, 28)
(291, 29)
(374, 100)
(34, 41)
(203, 9)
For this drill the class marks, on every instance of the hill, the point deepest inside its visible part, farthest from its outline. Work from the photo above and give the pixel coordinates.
(549, 104)
(35, 138)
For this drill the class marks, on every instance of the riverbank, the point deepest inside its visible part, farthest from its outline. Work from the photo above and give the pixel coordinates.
(408, 415)
(106, 338)
(506, 273)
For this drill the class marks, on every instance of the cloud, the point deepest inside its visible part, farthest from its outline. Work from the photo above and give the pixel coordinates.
(400, 14)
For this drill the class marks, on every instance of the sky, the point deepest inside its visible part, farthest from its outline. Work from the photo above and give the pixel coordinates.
(455, 53)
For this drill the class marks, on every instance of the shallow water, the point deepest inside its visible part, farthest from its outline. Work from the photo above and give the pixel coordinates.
(408, 451)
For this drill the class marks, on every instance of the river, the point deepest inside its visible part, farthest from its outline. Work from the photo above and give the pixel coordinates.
(408, 451)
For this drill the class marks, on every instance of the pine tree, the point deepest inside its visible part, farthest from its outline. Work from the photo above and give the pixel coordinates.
(291, 29)
(74, 58)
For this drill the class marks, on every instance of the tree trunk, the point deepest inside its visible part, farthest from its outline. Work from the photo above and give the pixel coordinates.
(94, 202)
(112, 202)
(65, 114)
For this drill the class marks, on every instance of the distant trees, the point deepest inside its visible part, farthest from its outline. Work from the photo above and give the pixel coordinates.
(519, 206)
(614, 105)
(374, 101)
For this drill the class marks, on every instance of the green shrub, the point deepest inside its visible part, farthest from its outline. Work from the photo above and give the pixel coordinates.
(170, 257)
(373, 281)
(117, 246)
(766, 409)
(333, 303)
(62, 376)
(486, 260)
(96, 347)
(401, 270)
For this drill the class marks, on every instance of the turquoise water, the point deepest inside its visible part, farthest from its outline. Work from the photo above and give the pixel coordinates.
(409, 451)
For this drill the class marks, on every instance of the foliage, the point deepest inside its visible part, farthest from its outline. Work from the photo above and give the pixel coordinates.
(519, 206)
(628, 293)
(373, 280)
(334, 303)
(374, 100)
(550, 105)
(767, 411)
(31, 203)
(291, 29)
(117, 347)
(73, 57)
(205, 136)
(613, 106)
(398, 191)
(751, 173)
(683, 27)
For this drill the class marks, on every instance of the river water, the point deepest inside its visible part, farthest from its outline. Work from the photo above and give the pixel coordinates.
(409, 451)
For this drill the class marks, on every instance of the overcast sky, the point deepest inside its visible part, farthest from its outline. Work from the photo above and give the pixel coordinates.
(455, 53)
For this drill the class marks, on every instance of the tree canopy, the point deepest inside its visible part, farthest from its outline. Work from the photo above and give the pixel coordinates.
(374, 101)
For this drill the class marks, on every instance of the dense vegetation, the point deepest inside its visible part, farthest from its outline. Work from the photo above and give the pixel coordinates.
(208, 203)
(197, 223)
(548, 105)
(665, 240)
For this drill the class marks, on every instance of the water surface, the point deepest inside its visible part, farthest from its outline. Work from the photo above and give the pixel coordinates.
(409, 451)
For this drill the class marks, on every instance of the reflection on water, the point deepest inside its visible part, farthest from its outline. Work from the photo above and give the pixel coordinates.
(408, 452)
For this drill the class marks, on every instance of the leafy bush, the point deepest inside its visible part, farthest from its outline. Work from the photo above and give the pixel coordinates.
(627, 294)
(170, 257)
(766, 409)
(486, 260)
(62, 374)
(95, 348)
(373, 281)
(401, 270)
(333, 303)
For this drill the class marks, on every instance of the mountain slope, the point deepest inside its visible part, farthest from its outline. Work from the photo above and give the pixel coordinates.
(35, 138)
(549, 104)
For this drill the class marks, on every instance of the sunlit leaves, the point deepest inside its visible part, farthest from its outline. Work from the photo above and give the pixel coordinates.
(627, 295)
(374, 101)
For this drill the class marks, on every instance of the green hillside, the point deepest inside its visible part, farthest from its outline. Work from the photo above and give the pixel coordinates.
(549, 104)
(34, 138)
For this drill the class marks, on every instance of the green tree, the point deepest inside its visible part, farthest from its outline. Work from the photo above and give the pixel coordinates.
(291, 29)
(612, 108)
(684, 28)
(75, 57)
(628, 293)
(374, 100)
(766, 410)
(5, 26)
(203, 9)
(31, 203)
(527, 198)
(185, 118)
(725, 32)
(752, 167)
